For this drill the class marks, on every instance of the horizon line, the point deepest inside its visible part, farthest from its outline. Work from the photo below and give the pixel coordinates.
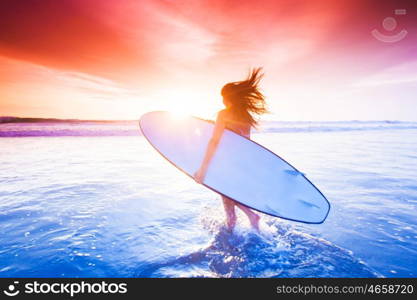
(15, 119)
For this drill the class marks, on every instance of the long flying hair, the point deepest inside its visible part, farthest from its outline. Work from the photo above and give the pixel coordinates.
(245, 99)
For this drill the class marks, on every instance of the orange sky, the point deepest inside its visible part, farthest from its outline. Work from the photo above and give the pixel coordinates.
(118, 59)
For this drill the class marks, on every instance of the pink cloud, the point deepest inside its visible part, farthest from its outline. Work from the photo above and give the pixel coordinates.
(130, 48)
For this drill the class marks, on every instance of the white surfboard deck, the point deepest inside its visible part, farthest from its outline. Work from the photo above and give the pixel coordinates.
(240, 168)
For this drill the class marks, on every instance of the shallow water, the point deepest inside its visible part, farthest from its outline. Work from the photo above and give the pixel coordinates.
(111, 206)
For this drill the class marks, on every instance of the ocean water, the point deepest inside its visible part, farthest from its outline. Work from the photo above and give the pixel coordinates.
(95, 200)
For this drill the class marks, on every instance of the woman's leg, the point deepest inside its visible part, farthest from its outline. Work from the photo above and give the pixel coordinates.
(229, 208)
(253, 217)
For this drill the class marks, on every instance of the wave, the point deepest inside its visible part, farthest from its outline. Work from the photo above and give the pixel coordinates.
(36, 127)
(69, 128)
(334, 126)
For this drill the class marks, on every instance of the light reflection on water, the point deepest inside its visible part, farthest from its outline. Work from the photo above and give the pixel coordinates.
(111, 206)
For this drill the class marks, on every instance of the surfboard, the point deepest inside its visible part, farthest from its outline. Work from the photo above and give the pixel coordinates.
(240, 169)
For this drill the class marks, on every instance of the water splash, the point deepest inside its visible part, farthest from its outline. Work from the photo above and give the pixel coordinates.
(276, 251)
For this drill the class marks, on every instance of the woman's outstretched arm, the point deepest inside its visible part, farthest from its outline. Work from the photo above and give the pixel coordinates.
(211, 147)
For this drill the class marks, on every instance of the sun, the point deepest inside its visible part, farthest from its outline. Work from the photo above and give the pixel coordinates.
(182, 105)
(179, 111)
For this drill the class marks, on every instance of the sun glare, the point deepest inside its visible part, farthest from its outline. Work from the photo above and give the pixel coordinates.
(179, 113)
(181, 105)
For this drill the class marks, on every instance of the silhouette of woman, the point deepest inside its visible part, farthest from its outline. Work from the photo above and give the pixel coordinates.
(243, 101)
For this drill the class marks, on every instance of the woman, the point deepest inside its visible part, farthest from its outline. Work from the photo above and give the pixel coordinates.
(243, 101)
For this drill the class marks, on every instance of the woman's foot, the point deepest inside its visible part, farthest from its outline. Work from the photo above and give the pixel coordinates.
(229, 209)
(253, 217)
(254, 220)
(231, 221)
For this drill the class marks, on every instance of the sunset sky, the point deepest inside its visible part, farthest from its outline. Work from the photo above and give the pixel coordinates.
(94, 59)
